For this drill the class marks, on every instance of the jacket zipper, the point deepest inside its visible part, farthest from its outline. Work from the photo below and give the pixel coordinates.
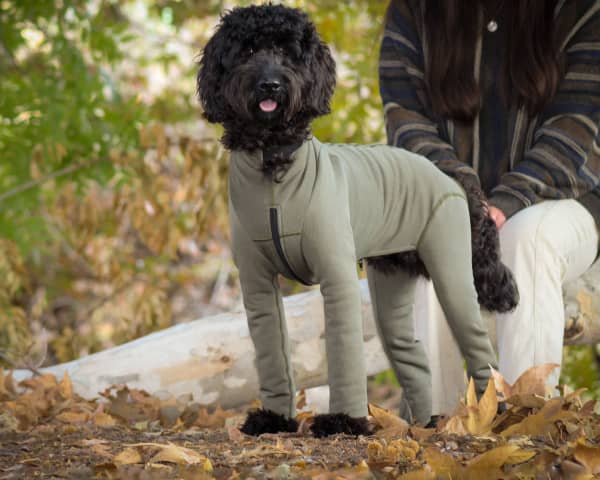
(279, 248)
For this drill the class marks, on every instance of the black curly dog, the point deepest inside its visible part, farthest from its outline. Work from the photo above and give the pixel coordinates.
(273, 53)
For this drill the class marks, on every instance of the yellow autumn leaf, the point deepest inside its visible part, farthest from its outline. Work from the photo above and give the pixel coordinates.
(171, 453)
(471, 394)
(520, 456)
(65, 386)
(543, 422)
(443, 465)
(497, 457)
(391, 424)
(532, 381)
(103, 419)
(128, 456)
(588, 456)
(481, 414)
(527, 400)
(73, 417)
(575, 395)
(455, 425)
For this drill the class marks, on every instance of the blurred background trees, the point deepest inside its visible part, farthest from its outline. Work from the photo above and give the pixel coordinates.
(113, 219)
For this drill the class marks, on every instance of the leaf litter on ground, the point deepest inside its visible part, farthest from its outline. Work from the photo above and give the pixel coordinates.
(48, 431)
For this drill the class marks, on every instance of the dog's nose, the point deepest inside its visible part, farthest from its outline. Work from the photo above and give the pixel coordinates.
(270, 86)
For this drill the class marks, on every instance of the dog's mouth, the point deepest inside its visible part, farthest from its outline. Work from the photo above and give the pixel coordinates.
(268, 106)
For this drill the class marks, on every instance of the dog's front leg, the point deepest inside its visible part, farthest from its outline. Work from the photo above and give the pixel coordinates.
(268, 330)
(345, 352)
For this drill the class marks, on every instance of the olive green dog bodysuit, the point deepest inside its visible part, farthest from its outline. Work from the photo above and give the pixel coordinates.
(337, 204)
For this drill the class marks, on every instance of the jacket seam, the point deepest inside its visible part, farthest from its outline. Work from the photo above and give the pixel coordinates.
(435, 208)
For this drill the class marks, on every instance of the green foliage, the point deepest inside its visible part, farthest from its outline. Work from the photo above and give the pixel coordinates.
(353, 30)
(581, 369)
(59, 111)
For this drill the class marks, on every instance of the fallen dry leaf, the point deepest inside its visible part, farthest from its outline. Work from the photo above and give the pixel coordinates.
(486, 465)
(128, 456)
(443, 465)
(65, 387)
(528, 400)
(103, 419)
(481, 413)
(497, 457)
(73, 417)
(477, 417)
(391, 425)
(455, 425)
(542, 423)
(170, 453)
(588, 456)
(532, 381)
(131, 405)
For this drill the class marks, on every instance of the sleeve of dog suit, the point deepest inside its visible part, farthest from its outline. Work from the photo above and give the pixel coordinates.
(404, 95)
(329, 247)
(266, 322)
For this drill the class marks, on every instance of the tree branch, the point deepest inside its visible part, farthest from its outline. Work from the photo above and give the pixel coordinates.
(36, 183)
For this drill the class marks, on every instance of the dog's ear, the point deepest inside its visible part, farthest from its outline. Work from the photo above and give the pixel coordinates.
(210, 78)
(322, 71)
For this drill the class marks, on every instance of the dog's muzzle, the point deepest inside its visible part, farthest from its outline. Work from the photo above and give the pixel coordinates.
(269, 89)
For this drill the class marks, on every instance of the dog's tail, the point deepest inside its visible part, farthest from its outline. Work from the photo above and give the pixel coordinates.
(496, 287)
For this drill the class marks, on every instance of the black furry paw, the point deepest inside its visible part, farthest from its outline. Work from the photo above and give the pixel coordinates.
(433, 421)
(266, 421)
(332, 423)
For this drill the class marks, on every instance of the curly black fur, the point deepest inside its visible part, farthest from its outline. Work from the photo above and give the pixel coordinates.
(496, 288)
(332, 423)
(265, 42)
(265, 421)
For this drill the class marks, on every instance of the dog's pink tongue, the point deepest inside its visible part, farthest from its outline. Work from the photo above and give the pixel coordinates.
(268, 105)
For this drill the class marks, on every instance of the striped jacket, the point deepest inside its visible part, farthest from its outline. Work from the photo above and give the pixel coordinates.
(517, 160)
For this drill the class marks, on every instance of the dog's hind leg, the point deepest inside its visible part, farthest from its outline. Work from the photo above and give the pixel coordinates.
(392, 297)
(445, 248)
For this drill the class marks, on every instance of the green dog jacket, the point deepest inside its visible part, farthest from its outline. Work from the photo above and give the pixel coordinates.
(337, 204)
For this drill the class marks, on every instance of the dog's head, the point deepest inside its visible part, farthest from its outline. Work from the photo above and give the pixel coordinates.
(265, 74)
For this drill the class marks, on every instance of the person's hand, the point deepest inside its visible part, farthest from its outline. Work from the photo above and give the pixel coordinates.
(497, 216)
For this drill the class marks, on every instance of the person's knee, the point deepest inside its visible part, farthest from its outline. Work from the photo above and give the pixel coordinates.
(530, 232)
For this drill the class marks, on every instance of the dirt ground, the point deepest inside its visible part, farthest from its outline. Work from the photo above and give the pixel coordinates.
(47, 431)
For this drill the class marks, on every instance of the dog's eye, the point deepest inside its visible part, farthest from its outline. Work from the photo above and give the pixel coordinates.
(249, 51)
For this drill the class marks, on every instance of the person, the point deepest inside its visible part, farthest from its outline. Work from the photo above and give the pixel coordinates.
(504, 95)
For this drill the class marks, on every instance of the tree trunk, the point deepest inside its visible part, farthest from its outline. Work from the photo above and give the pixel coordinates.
(212, 358)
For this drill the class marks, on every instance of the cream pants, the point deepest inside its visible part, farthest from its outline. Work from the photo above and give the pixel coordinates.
(545, 246)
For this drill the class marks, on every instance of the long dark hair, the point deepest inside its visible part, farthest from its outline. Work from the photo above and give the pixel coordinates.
(532, 65)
